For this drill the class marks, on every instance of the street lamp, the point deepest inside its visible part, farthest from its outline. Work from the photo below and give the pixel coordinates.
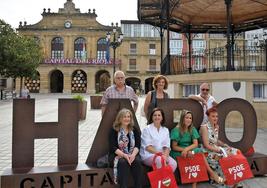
(262, 44)
(116, 42)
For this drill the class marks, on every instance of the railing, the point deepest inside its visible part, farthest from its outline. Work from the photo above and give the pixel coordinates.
(81, 61)
(215, 60)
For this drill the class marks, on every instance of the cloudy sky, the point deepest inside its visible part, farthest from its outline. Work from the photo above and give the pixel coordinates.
(14, 11)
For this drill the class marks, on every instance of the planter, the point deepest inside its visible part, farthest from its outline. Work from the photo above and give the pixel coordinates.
(82, 110)
(95, 101)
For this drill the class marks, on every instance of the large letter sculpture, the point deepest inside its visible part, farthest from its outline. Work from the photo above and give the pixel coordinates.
(25, 130)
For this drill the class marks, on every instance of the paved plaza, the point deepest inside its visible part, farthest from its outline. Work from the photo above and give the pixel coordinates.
(46, 149)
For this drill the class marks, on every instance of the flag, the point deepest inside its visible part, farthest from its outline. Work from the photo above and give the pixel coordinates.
(107, 52)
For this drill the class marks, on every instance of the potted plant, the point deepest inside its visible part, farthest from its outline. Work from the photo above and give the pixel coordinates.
(82, 106)
(95, 100)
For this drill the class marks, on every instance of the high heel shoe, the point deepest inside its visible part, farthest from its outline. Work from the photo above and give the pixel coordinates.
(217, 179)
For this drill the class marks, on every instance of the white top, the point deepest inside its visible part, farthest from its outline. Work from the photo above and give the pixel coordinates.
(152, 137)
(211, 99)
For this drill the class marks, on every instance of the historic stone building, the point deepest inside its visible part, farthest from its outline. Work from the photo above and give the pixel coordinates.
(75, 52)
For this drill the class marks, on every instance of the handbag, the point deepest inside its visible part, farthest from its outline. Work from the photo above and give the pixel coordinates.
(235, 168)
(162, 177)
(192, 169)
(103, 162)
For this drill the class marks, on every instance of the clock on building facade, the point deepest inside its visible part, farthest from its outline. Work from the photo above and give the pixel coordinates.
(67, 24)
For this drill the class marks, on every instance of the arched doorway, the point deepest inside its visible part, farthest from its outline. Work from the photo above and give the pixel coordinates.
(133, 82)
(102, 81)
(78, 82)
(33, 84)
(56, 81)
(149, 84)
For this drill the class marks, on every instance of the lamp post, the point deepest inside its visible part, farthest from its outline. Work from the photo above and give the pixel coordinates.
(115, 42)
(262, 44)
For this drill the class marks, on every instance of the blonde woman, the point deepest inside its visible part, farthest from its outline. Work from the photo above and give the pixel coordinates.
(124, 144)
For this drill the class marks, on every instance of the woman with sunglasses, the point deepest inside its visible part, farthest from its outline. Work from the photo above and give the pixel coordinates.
(205, 99)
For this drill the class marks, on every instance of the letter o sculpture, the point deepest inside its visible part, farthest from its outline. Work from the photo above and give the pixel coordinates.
(250, 122)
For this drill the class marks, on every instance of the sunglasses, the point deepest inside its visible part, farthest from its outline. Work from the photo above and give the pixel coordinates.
(205, 89)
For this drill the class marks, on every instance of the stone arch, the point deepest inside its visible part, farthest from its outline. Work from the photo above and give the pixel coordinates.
(133, 82)
(102, 80)
(149, 84)
(33, 84)
(56, 81)
(78, 81)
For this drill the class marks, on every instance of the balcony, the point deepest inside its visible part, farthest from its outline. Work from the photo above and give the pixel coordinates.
(215, 60)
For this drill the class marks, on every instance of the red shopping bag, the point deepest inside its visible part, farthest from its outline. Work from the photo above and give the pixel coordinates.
(162, 177)
(235, 168)
(192, 169)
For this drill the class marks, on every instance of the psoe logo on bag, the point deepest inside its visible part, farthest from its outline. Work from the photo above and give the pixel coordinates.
(166, 182)
(237, 171)
(192, 171)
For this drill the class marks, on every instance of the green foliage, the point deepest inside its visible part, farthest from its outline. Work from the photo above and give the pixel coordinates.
(78, 97)
(19, 55)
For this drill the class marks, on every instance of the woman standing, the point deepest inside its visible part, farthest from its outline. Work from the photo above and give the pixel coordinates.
(211, 143)
(184, 142)
(124, 149)
(160, 83)
(155, 138)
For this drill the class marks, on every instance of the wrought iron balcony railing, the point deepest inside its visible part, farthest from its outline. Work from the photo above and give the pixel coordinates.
(215, 60)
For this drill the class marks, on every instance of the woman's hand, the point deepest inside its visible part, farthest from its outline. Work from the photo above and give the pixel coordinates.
(131, 158)
(126, 156)
(184, 153)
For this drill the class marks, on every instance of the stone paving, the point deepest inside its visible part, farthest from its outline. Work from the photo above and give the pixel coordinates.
(46, 149)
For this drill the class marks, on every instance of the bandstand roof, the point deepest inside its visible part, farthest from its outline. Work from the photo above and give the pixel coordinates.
(204, 15)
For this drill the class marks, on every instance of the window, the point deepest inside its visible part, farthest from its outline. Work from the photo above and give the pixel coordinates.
(252, 64)
(199, 47)
(133, 48)
(174, 35)
(57, 48)
(152, 65)
(137, 30)
(102, 48)
(126, 30)
(80, 51)
(3, 83)
(132, 64)
(176, 47)
(260, 91)
(189, 89)
(198, 64)
(236, 64)
(152, 49)
(147, 30)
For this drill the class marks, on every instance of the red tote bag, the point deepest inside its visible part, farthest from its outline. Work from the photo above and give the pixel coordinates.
(235, 169)
(162, 177)
(192, 169)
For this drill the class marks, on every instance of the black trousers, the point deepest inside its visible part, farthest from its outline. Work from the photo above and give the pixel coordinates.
(124, 170)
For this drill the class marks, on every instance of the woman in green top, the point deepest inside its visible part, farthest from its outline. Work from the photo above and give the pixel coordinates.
(184, 137)
(184, 142)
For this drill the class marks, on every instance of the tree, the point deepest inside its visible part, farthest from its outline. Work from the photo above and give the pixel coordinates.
(19, 55)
